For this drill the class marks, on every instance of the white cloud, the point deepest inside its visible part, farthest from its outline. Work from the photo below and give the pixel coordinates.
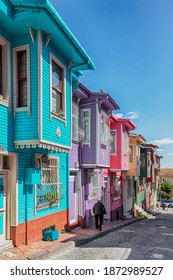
(164, 141)
(132, 115)
(119, 116)
(170, 154)
(160, 150)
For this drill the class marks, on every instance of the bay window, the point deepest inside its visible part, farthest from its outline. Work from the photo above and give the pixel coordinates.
(57, 88)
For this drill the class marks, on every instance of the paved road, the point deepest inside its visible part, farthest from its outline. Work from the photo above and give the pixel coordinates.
(149, 239)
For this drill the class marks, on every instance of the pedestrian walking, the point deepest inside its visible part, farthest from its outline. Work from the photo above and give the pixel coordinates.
(99, 211)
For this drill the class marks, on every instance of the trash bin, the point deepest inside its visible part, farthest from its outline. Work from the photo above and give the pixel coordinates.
(88, 218)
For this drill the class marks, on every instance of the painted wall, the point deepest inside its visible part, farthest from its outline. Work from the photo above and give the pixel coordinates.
(26, 194)
(134, 167)
(50, 125)
(74, 155)
(3, 128)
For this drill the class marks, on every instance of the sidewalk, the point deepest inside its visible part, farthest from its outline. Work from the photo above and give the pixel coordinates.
(42, 250)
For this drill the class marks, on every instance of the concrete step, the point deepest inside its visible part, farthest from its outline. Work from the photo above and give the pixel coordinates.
(6, 244)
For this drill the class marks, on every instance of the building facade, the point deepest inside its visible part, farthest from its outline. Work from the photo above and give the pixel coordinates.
(40, 61)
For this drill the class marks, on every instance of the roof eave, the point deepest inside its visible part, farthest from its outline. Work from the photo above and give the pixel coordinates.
(46, 5)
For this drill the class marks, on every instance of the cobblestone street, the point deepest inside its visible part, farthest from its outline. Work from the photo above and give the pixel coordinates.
(145, 240)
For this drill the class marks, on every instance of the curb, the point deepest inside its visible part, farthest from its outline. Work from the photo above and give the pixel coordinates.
(42, 255)
(85, 240)
(52, 251)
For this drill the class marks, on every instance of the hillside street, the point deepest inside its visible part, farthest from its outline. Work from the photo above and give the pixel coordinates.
(145, 240)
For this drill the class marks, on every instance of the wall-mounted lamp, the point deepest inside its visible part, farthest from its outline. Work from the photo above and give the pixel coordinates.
(47, 40)
(31, 32)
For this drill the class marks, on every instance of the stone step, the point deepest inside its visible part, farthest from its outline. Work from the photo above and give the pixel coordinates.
(6, 244)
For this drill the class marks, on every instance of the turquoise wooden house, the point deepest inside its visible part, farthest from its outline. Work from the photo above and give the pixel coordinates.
(40, 63)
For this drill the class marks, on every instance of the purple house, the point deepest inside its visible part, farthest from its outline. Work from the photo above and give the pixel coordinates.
(90, 153)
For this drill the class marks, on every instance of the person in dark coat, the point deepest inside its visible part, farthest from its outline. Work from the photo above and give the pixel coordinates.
(99, 210)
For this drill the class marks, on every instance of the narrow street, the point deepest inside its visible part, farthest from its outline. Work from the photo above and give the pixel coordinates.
(149, 239)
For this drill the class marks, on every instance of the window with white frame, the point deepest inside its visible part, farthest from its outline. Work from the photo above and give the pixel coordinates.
(113, 141)
(131, 153)
(93, 180)
(4, 70)
(74, 122)
(57, 88)
(86, 125)
(104, 129)
(48, 192)
(117, 186)
(21, 61)
(126, 144)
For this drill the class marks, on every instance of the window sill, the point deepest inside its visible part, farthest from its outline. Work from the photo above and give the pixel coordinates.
(22, 109)
(54, 115)
(4, 102)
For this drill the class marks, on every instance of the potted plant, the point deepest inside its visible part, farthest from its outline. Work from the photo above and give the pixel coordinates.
(50, 234)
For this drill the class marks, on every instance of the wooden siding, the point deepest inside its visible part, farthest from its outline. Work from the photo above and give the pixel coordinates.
(26, 127)
(6, 8)
(74, 156)
(49, 125)
(3, 127)
(25, 160)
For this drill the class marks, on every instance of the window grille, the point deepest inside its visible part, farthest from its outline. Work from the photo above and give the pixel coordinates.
(50, 191)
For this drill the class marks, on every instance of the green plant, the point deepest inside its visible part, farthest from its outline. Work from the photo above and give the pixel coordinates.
(48, 239)
(63, 231)
(139, 214)
(166, 187)
(162, 195)
(52, 196)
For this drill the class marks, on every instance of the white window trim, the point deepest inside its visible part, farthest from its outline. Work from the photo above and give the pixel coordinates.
(7, 101)
(98, 188)
(38, 156)
(107, 129)
(77, 110)
(15, 87)
(114, 130)
(126, 144)
(87, 110)
(52, 114)
(130, 153)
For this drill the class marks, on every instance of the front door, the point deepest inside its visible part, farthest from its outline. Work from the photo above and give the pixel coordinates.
(73, 200)
(2, 209)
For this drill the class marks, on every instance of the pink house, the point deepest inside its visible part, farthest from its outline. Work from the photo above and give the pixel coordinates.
(121, 189)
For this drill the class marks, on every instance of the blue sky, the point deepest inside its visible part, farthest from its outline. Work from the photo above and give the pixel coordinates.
(131, 44)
